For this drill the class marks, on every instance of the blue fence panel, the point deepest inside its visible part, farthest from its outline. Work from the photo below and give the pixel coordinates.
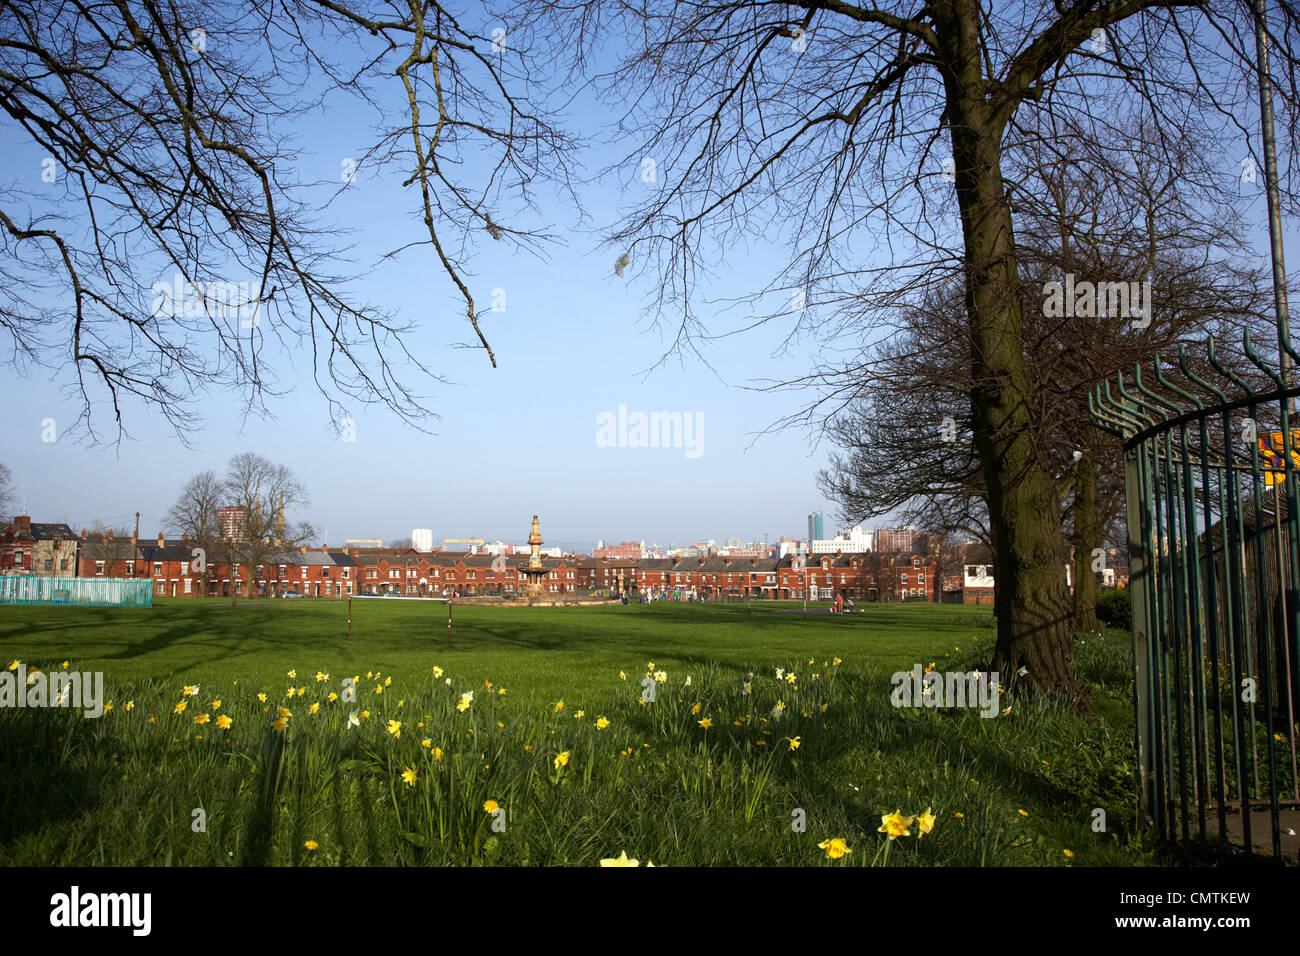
(80, 592)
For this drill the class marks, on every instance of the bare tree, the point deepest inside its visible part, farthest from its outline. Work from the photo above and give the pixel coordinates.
(166, 225)
(194, 516)
(850, 128)
(112, 546)
(265, 492)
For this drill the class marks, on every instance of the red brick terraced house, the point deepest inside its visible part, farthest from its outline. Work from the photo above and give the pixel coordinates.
(709, 578)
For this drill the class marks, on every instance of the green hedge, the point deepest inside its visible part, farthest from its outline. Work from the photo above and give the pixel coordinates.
(1115, 608)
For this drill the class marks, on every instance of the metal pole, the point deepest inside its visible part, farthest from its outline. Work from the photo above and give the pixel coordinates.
(349, 617)
(1271, 194)
(449, 622)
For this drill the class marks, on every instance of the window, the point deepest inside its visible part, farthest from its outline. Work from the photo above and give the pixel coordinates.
(188, 583)
(282, 570)
(49, 564)
(157, 568)
(63, 565)
(185, 567)
(161, 586)
(490, 574)
(99, 567)
(371, 574)
(345, 577)
(920, 579)
(304, 571)
(130, 567)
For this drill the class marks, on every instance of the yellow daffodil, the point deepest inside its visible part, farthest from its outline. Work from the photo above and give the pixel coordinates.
(794, 742)
(262, 698)
(180, 708)
(836, 662)
(559, 706)
(490, 806)
(661, 676)
(437, 753)
(293, 673)
(224, 722)
(388, 682)
(284, 712)
(395, 728)
(622, 676)
(279, 724)
(579, 714)
(465, 700)
(409, 777)
(130, 705)
(924, 823)
(313, 708)
(216, 705)
(333, 697)
(201, 719)
(959, 815)
(311, 845)
(108, 708)
(191, 690)
(437, 672)
(426, 743)
(895, 824)
(64, 665)
(620, 860)
(706, 723)
(562, 760)
(321, 678)
(695, 709)
(13, 665)
(835, 847)
(365, 715)
(1022, 813)
(601, 723)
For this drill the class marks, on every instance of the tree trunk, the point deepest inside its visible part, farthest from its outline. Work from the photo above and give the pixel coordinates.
(1086, 539)
(1031, 601)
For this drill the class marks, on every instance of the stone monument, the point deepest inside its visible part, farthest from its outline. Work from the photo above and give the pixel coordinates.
(534, 574)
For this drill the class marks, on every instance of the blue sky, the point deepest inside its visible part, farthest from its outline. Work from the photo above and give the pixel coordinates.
(513, 441)
(517, 440)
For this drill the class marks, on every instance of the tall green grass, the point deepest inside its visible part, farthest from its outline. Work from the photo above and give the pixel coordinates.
(1019, 789)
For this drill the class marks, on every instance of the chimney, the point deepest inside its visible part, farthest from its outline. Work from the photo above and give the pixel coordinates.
(303, 549)
(160, 539)
(701, 559)
(185, 537)
(110, 535)
(83, 534)
(838, 552)
(23, 522)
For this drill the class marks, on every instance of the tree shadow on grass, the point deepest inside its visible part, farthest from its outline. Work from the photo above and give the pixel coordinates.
(37, 790)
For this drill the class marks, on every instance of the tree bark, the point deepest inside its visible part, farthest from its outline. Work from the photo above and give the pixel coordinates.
(1031, 601)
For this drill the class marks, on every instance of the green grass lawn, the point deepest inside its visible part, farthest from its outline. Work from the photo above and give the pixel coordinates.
(708, 773)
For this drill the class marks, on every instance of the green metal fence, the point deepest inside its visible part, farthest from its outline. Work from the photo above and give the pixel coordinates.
(1211, 472)
(82, 592)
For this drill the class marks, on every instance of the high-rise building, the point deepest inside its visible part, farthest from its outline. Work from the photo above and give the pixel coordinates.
(422, 539)
(816, 529)
(232, 523)
(895, 540)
